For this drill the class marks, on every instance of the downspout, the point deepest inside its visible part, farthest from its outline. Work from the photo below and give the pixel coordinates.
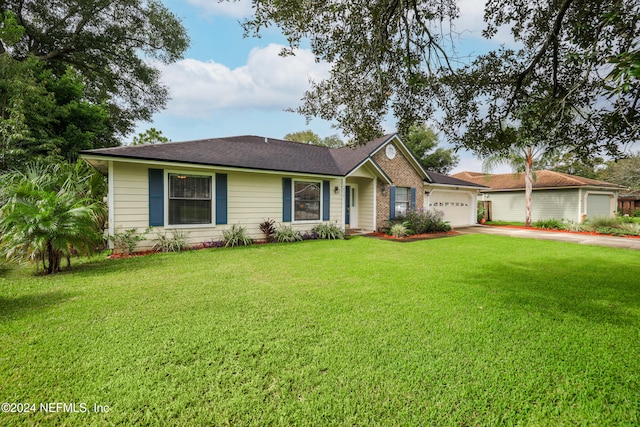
(111, 203)
(344, 208)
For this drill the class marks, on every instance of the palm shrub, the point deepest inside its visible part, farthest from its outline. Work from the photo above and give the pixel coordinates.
(48, 213)
(400, 229)
(328, 231)
(236, 236)
(286, 234)
(176, 243)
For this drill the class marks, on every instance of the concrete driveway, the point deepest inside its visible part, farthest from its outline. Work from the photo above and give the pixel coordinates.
(583, 239)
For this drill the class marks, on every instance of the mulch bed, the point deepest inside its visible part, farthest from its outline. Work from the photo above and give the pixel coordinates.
(414, 237)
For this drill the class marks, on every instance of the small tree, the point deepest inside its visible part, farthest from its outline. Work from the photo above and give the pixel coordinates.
(310, 137)
(423, 142)
(150, 136)
(521, 158)
(48, 212)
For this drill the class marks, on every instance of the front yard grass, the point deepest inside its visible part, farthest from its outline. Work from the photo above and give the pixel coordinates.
(469, 330)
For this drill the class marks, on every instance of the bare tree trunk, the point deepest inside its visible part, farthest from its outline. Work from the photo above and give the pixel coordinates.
(528, 185)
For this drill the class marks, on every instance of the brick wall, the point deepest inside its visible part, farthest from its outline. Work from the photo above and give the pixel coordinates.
(402, 173)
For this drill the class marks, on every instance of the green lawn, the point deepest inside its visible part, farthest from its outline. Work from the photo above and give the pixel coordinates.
(469, 330)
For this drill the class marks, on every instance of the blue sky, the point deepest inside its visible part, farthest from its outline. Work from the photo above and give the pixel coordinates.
(229, 85)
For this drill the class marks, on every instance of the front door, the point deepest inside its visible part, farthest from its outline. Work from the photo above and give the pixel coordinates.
(351, 204)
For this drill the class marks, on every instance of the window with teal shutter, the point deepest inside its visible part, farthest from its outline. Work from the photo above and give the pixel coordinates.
(189, 199)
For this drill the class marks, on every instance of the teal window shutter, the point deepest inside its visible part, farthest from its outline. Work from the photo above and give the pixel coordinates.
(326, 200)
(392, 202)
(413, 199)
(286, 199)
(156, 197)
(221, 198)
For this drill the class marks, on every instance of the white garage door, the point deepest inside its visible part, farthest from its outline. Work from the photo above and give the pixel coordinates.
(598, 205)
(456, 206)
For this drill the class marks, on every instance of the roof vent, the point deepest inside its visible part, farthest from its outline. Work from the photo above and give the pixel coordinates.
(266, 140)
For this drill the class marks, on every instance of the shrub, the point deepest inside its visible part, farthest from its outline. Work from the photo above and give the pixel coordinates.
(615, 231)
(236, 236)
(286, 234)
(309, 235)
(636, 213)
(575, 226)
(127, 241)
(625, 220)
(422, 221)
(328, 232)
(549, 224)
(268, 227)
(604, 221)
(213, 244)
(176, 243)
(399, 230)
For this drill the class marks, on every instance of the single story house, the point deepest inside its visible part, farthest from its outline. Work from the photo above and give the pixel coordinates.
(206, 186)
(555, 196)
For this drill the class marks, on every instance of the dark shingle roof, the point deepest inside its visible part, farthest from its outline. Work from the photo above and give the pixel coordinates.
(257, 152)
(438, 178)
(250, 152)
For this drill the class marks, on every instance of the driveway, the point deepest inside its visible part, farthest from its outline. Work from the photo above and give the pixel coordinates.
(583, 239)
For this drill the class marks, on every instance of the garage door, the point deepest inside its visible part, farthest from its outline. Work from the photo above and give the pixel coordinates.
(598, 205)
(456, 206)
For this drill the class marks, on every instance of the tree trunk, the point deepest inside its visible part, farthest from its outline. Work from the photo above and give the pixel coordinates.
(54, 259)
(528, 186)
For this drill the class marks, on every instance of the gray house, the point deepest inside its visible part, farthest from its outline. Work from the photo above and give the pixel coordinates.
(555, 196)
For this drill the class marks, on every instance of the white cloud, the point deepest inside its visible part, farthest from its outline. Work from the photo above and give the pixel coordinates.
(232, 8)
(471, 23)
(267, 81)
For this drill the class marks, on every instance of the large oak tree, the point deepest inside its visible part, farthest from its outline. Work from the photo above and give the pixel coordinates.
(112, 44)
(572, 75)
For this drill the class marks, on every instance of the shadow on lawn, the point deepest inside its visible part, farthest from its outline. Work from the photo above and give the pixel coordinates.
(12, 308)
(600, 293)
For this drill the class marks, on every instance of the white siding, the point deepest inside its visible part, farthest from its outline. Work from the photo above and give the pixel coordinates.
(252, 198)
(366, 187)
(546, 204)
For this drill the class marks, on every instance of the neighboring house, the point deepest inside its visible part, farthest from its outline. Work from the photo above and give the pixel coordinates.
(555, 196)
(629, 202)
(206, 186)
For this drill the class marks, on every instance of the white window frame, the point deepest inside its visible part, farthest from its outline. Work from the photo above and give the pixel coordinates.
(211, 176)
(293, 201)
(408, 202)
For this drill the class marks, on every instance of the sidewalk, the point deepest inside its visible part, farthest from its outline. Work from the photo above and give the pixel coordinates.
(583, 239)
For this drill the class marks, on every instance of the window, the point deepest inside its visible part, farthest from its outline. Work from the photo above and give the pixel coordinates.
(402, 201)
(189, 199)
(306, 202)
